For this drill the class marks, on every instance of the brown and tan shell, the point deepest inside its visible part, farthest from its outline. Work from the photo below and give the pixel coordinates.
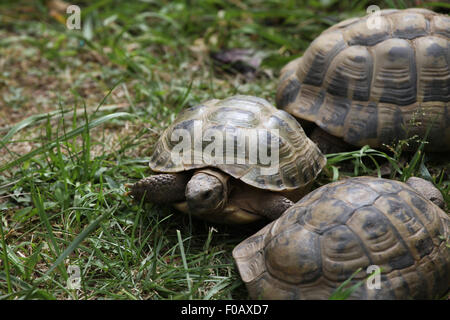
(375, 85)
(325, 237)
(300, 160)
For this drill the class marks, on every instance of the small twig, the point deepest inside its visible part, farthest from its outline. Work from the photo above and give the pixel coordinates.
(11, 195)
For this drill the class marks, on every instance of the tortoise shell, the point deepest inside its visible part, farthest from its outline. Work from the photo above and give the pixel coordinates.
(324, 238)
(375, 85)
(234, 120)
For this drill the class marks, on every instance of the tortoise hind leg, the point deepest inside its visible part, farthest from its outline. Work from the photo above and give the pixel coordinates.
(165, 188)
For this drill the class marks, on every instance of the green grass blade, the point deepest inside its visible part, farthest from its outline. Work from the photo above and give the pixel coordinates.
(5, 259)
(76, 242)
(341, 293)
(25, 123)
(185, 266)
(39, 204)
(69, 135)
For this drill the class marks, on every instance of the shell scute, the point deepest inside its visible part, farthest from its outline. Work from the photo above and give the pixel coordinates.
(243, 136)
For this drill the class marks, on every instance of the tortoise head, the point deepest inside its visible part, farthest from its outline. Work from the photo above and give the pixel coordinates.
(207, 192)
(428, 190)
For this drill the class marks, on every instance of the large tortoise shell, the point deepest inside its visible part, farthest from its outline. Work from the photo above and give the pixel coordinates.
(325, 237)
(299, 160)
(375, 85)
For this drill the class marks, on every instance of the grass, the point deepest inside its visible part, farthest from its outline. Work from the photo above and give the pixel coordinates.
(80, 111)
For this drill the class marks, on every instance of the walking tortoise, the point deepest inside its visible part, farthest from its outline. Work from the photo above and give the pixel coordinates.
(374, 80)
(355, 223)
(240, 190)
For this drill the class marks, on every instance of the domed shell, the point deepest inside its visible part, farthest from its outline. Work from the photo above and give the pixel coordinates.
(243, 136)
(376, 79)
(356, 223)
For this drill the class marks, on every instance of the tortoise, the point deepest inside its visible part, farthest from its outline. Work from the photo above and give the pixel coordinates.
(374, 81)
(234, 182)
(354, 223)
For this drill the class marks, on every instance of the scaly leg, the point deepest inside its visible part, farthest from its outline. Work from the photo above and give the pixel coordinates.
(165, 188)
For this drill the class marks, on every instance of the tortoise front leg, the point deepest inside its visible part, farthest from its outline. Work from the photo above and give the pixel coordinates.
(273, 205)
(165, 188)
(261, 202)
